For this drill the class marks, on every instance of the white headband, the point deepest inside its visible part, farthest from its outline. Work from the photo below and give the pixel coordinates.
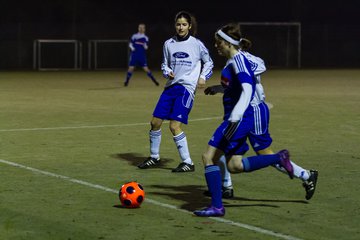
(228, 38)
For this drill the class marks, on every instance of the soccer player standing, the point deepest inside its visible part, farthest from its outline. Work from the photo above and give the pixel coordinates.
(187, 65)
(138, 46)
(230, 137)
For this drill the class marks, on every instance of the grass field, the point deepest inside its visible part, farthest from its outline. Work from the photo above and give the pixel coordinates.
(70, 139)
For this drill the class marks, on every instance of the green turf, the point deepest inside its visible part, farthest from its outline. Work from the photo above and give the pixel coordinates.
(87, 126)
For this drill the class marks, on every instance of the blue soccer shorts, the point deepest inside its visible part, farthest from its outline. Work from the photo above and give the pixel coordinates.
(175, 103)
(137, 60)
(231, 138)
(259, 136)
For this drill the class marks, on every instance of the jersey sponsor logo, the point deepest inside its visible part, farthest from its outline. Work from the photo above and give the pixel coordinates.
(180, 55)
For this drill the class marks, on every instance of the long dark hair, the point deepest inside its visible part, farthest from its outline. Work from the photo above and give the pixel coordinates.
(190, 19)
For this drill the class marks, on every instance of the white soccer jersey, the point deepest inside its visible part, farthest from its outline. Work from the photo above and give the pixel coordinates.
(184, 59)
(258, 67)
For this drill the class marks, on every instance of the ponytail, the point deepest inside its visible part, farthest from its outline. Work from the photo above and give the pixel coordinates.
(245, 44)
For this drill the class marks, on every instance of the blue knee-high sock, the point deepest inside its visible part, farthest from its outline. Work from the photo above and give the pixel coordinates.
(258, 162)
(128, 76)
(213, 180)
(151, 76)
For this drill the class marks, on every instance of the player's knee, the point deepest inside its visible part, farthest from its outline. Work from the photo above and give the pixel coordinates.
(175, 128)
(265, 151)
(155, 124)
(207, 160)
(235, 166)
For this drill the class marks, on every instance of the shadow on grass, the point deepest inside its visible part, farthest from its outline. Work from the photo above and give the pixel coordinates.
(191, 195)
(135, 159)
(270, 200)
(108, 88)
(193, 198)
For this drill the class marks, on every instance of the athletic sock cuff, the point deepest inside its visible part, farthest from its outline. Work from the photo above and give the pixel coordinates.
(179, 137)
(155, 133)
(212, 168)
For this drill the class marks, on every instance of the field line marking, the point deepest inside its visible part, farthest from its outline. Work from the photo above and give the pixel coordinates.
(96, 126)
(106, 189)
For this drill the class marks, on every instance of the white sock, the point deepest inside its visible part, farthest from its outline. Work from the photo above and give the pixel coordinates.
(182, 146)
(155, 140)
(299, 172)
(225, 174)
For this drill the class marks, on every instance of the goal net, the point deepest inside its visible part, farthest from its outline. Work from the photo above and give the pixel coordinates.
(57, 54)
(108, 54)
(278, 43)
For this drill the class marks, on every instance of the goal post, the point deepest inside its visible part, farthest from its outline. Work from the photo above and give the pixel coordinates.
(279, 43)
(108, 54)
(57, 54)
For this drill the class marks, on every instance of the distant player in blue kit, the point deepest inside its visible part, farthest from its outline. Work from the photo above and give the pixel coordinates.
(259, 137)
(229, 138)
(187, 65)
(138, 46)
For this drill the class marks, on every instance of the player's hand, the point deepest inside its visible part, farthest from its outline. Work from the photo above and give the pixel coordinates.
(201, 83)
(212, 90)
(171, 75)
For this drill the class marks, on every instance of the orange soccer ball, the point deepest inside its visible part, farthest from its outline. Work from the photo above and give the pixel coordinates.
(131, 195)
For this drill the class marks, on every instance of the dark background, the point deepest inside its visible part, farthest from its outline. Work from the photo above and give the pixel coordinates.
(330, 30)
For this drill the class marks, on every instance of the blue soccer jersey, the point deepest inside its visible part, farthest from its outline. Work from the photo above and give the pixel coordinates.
(138, 45)
(231, 137)
(236, 72)
(259, 137)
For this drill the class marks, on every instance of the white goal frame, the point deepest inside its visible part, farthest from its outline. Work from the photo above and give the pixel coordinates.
(37, 60)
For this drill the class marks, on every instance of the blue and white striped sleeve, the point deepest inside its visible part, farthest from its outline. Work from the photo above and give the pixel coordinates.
(261, 68)
(131, 43)
(243, 103)
(241, 71)
(208, 63)
(146, 46)
(246, 80)
(165, 63)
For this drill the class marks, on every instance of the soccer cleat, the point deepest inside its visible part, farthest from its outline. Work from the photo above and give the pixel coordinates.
(210, 212)
(285, 162)
(227, 192)
(184, 167)
(149, 162)
(126, 83)
(310, 184)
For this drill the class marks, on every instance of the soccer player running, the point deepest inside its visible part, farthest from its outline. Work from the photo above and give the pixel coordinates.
(138, 46)
(229, 138)
(259, 137)
(187, 65)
